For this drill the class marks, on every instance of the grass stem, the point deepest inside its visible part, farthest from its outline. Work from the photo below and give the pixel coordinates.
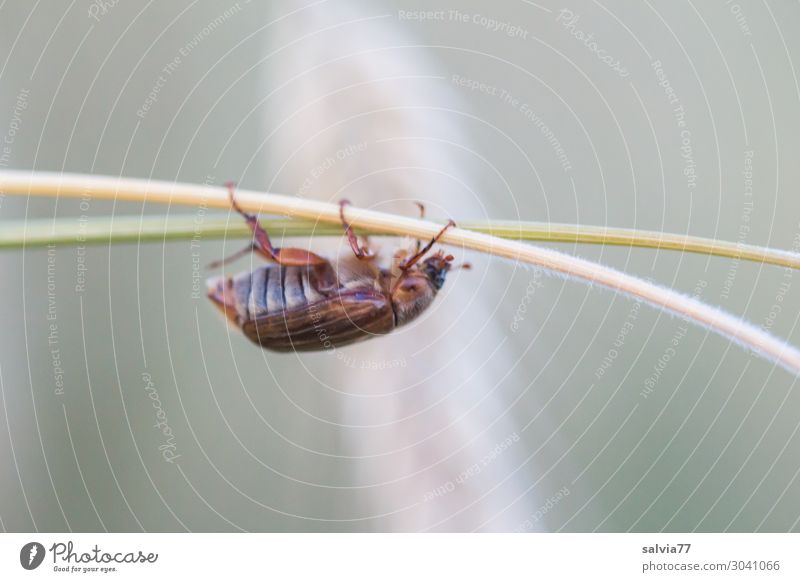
(148, 191)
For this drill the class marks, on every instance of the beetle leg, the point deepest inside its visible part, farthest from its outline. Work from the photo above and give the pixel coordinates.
(263, 246)
(234, 257)
(361, 251)
(421, 207)
(409, 262)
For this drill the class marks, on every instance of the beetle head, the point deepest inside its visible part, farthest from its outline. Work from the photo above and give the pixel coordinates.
(435, 269)
(417, 286)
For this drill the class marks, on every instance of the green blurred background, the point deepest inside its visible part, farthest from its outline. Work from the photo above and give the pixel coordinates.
(520, 402)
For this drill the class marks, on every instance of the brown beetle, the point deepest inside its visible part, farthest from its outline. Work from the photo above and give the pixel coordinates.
(303, 302)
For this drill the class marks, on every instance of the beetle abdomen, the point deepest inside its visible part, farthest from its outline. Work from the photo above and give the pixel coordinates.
(274, 289)
(302, 309)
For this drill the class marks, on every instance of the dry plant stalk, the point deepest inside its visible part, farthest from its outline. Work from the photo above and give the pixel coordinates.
(144, 191)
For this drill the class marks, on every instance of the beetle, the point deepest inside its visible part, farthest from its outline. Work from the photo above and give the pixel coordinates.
(300, 301)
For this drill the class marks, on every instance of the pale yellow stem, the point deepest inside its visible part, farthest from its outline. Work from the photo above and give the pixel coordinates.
(76, 186)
